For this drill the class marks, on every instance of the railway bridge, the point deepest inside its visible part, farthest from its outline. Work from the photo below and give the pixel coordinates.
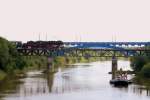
(90, 49)
(86, 49)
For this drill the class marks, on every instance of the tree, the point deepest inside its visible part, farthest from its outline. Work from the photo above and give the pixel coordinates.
(138, 62)
(146, 70)
(4, 53)
(9, 57)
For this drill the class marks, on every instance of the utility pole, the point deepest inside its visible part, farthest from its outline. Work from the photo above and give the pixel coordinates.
(39, 36)
(46, 37)
(80, 37)
(115, 38)
(76, 37)
(112, 38)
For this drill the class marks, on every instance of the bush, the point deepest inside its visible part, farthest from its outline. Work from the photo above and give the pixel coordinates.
(59, 61)
(146, 71)
(137, 63)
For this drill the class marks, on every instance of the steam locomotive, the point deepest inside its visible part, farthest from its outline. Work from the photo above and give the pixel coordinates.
(41, 45)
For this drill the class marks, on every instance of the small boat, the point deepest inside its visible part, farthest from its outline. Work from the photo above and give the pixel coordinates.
(120, 82)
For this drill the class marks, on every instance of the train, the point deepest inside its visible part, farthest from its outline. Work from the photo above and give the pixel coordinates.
(40, 45)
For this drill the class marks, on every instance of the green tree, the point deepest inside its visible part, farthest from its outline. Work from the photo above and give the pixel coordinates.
(146, 71)
(138, 62)
(9, 57)
(4, 53)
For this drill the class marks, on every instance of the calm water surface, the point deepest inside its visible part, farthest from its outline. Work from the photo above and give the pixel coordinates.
(83, 81)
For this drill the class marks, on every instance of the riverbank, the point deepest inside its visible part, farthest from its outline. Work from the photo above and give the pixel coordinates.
(140, 80)
(40, 63)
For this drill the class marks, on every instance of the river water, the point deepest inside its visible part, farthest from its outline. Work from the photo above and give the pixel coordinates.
(82, 81)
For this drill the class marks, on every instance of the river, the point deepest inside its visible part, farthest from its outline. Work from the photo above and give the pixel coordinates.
(81, 81)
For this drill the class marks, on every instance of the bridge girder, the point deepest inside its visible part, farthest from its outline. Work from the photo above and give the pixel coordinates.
(74, 52)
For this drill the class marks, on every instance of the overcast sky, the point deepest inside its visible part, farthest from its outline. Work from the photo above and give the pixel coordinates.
(75, 20)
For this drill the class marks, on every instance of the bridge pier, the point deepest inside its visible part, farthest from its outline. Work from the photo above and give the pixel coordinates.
(114, 67)
(49, 64)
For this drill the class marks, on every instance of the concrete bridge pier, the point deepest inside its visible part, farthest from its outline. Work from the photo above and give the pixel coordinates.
(49, 64)
(114, 67)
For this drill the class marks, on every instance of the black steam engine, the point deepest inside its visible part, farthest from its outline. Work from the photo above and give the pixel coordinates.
(51, 45)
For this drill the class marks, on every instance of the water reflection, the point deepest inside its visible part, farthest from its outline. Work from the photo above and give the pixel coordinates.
(92, 79)
(141, 90)
(36, 84)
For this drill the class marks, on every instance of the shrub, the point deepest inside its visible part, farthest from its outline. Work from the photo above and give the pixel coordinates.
(137, 63)
(146, 71)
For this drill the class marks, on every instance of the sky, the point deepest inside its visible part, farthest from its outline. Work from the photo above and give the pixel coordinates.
(75, 20)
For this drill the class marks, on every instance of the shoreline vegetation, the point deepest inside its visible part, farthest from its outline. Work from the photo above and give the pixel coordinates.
(141, 67)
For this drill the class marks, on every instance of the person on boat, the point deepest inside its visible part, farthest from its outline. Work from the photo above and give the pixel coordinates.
(120, 72)
(126, 76)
